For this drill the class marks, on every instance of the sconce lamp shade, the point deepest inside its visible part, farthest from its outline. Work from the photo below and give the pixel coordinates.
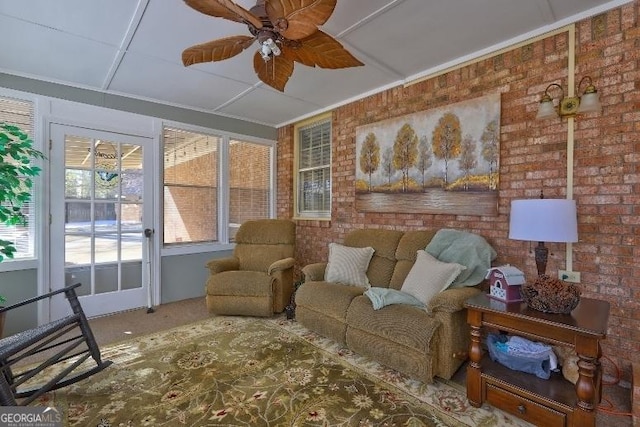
(546, 110)
(590, 103)
(543, 220)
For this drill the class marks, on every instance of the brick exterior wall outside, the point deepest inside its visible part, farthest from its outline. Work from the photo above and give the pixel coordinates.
(533, 156)
(194, 216)
(249, 180)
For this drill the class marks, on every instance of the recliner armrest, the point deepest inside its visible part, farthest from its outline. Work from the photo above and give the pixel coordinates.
(314, 272)
(218, 265)
(281, 265)
(451, 300)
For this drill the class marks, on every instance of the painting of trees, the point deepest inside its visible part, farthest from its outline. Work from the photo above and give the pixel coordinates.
(387, 164)
(405, 152)
(424, 158)
(442, 160)
(446, 140)
(370, 156)
(467, 158)
(491, 149)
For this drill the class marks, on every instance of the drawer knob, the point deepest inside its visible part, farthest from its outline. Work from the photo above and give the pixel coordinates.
(522, 409)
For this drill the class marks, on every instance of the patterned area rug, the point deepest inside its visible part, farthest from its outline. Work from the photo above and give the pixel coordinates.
(245, 371)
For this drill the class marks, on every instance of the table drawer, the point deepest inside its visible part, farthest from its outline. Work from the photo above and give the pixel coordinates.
(524, 408)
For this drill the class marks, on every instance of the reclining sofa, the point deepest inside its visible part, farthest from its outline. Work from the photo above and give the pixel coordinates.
(421, 342)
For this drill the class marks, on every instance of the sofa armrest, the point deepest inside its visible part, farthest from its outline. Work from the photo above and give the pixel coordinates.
(314, 272)
(451, 300)
(218, 265)
(281, 265)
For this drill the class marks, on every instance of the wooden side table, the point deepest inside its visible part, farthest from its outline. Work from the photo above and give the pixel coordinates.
(552, 402)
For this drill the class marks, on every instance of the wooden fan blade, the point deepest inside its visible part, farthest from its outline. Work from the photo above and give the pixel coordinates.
(297, 19)
(321, 50)
(216, 50)
(243, 13)
(213, 8)
(225, 9)
(275, 72)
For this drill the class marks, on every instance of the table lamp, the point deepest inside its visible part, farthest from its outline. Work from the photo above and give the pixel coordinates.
(543, 220)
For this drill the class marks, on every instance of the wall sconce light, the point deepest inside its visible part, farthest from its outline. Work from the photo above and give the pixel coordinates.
(571, 105)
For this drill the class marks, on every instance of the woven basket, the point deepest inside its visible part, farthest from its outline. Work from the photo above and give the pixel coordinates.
(551, 295)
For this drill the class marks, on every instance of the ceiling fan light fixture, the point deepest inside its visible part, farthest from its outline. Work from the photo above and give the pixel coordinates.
(287, 30)
(268, 48)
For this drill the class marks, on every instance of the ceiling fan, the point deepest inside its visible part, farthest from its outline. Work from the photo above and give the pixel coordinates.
(286, 31)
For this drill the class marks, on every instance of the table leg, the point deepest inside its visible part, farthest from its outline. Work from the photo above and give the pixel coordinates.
(586, 390)
(474, 370)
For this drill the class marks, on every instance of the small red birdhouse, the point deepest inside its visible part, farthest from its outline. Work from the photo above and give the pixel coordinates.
(505, 283)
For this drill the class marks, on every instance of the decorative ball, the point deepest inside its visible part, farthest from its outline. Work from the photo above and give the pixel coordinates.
(551, 295)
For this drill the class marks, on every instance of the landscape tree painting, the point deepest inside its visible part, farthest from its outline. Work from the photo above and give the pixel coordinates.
(444, 160)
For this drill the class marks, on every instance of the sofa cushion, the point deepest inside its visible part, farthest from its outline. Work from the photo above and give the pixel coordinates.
(348, 265)
(402, 324)
(330, 298)
(429, 276)
(383, 261)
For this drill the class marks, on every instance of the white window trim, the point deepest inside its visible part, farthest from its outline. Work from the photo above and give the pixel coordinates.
(38, 199)
(223, 195)
(318, 215)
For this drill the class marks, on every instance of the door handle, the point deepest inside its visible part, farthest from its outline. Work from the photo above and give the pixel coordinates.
(148, 232)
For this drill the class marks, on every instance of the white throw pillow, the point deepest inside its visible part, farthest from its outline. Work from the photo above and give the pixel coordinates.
(429, 276)
(348, 265)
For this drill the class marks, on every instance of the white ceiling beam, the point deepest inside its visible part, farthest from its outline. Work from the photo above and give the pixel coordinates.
(124, 44)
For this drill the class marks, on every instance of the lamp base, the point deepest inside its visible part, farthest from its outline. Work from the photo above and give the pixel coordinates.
(542, 254)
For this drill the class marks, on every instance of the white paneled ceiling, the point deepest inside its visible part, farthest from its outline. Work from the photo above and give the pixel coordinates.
(133, 48)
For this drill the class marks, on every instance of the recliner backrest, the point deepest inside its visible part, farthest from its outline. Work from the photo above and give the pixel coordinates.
(259, 243)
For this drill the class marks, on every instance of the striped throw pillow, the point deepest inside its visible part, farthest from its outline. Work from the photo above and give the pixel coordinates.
(348, 265)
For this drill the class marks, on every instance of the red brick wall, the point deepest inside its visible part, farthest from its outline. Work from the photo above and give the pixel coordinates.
(533, 155)
(249, 180)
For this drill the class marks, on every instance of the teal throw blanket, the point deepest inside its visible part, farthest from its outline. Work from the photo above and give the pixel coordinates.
(381, 297)
(468, 249)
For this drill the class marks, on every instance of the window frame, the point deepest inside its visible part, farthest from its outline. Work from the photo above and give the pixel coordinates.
(297, 128)
(223, 242)
(36, 225)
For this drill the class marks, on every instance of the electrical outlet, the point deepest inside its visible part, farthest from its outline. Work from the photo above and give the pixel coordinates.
(569, 276)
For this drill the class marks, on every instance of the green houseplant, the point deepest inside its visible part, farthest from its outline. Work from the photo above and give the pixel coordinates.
(17, 171)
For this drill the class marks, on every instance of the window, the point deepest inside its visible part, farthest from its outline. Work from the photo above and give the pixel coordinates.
(212, 184)
(21, 114)
(313, 175)
(250, 195)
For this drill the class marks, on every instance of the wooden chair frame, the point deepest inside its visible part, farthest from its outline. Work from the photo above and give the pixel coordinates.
(69, 340)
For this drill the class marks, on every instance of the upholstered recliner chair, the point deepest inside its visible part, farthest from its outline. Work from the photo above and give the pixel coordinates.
(258, 279)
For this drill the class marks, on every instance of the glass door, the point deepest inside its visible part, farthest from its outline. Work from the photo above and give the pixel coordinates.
(98, 197)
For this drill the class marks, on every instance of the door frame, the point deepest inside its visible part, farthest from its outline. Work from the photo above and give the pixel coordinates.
(44, 253)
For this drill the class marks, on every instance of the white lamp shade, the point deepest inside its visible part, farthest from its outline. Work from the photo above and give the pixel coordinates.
(589, 103)
(543, 220)
(546, 110)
